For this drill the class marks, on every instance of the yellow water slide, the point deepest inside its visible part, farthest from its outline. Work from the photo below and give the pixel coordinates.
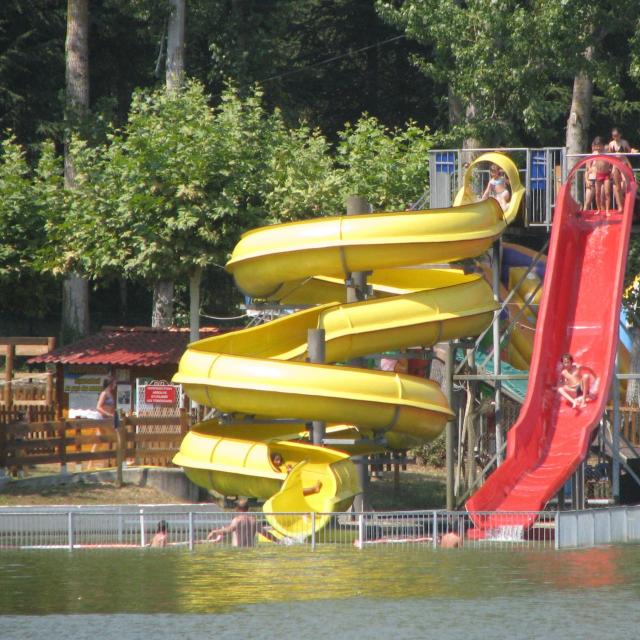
(260, 377)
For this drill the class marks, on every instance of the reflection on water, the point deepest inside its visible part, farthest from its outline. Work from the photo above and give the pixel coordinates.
(399, 592)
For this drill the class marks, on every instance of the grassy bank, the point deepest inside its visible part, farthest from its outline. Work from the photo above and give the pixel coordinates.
(419, 488)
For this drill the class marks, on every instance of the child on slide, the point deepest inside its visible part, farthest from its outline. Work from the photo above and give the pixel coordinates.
(498, 187)
(574, 385)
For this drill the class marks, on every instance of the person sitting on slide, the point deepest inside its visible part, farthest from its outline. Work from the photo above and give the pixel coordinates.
(574, 384)
(278, 461)
(497, 187)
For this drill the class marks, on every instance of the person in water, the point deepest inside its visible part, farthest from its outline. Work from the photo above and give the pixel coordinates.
(161, 537)
(243, 528)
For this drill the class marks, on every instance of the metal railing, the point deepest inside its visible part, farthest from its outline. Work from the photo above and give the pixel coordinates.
(133, 527)
(580, 187)
(540, 170)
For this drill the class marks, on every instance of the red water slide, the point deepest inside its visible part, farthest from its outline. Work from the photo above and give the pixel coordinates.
(579, 314)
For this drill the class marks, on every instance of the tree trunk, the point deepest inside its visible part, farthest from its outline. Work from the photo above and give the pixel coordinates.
(75, 308)
(239, 21)
(456, 109)
(162, 312)
(194, 303)
(175, 45)
(580, 115)
(471, 142)
(75, 292)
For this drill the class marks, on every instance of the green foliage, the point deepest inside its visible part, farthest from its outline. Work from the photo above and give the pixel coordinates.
(301, 181)
(20, 216)
(387, 167)
(433, 453)
(162, 195)
(23, 207)
(174, 188)
(510, 64)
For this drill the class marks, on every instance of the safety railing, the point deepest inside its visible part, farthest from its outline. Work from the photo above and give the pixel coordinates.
(540, 172)
(83, 528)
(584, 189)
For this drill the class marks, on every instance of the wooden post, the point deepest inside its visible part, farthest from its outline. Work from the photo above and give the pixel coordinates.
(185, 422)
(59, 390)
(62, 447)
(8, 375)
(3, 448)
(396, 473)
(121, 447)
(48, 397)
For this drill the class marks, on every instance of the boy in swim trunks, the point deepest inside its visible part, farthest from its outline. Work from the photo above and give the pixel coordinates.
(602, 186)
(574, 385)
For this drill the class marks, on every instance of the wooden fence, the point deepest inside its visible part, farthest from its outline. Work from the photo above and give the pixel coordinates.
(65, 442)
(629, 423)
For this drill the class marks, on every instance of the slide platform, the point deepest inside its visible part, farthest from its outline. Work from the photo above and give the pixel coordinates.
(579, 314)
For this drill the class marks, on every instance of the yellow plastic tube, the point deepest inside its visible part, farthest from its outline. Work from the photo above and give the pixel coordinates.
(262, 371)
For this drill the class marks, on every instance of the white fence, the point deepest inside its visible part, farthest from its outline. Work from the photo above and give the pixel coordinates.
(593, 527)
(189, 526)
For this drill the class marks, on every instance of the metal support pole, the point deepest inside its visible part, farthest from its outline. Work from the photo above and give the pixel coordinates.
(143, 541)
(70, 530)
(356, 291)
(361, 501)
(495, 259)
(450, 433)
(434, 529)
(317, 354)
(561, 498)
(577, 488)
(191, 531)
(313, 531)
(615, 436)
(360, 531)
(471, 427)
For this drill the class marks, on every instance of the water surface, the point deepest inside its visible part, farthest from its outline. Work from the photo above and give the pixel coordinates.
(339, 593)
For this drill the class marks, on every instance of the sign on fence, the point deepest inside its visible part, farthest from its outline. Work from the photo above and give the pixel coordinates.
(160, 394)
(157, 397)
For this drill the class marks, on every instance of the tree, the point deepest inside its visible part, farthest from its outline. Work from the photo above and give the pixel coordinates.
(387, 167)
(24, 293)
(582, 48)
(172, 190)
(511, 70)
(75, 295)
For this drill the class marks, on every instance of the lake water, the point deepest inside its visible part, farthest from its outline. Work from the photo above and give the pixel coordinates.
(330, 593)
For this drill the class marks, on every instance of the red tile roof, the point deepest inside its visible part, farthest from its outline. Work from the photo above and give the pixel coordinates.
(126, 347)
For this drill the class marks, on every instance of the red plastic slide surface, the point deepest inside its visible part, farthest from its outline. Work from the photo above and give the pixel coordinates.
(579, 314)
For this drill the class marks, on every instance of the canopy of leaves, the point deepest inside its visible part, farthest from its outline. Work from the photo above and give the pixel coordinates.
(511, 63)
(177, 185)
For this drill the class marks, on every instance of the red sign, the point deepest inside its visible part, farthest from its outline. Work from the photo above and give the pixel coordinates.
(160, 394)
